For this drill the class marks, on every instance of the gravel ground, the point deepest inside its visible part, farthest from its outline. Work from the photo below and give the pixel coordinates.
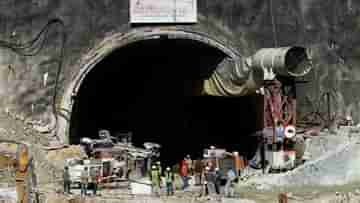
(121, 195)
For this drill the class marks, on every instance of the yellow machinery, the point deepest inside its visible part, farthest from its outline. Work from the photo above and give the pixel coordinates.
(16, 155)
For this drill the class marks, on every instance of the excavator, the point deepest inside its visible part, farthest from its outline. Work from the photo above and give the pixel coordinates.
(16, 155)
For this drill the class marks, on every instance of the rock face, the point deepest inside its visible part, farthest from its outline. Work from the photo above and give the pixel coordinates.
(33, 85)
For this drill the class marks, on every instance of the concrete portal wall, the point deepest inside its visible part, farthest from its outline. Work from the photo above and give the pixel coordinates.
(329, 28)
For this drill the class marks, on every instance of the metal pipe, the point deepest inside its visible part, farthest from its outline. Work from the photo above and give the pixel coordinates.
(243, 76)
(284, 61)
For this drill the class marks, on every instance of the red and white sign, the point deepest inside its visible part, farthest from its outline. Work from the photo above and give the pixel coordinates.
(163, 11)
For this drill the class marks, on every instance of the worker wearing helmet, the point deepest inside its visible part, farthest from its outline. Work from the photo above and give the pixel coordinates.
(158, 165)
(155, 180)
(169, 179)
(205, 189)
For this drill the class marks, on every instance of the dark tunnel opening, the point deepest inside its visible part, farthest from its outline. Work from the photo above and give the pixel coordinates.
(148, 88)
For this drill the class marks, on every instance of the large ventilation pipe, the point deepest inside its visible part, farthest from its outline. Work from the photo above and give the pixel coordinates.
(284, 61)
(243, 77)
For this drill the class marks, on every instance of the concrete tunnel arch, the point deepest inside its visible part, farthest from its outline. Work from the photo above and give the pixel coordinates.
(117, 42)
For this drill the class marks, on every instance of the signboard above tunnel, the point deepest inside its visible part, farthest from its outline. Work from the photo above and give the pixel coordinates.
(163, 11)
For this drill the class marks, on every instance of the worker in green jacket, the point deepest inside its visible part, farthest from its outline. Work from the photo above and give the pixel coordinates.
(155, 180)
(169, 179)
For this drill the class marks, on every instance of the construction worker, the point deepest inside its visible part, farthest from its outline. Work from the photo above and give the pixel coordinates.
(239, 163)
(98, 182)
(94, 182)
(158, 165)
(204, 189)
(198, 169)
(84, 181)
(67, 181)
(184, 174)
(189, 163)
(209, 178)
(169, 179)
(155, 180)
(230, 178)
(217, 184)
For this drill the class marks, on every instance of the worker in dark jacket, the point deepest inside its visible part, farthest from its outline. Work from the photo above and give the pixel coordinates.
(207, 185)
(95, 178)
(218, 176)
(209, 177)
(198, 169)
(67, 181)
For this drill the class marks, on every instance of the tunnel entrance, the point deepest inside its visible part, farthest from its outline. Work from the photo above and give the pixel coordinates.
(150, 88)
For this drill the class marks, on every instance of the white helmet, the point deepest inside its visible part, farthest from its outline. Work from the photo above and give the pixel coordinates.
(290, 131)
(85, 140)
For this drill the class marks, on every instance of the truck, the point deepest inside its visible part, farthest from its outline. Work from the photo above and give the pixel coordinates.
(77, 166)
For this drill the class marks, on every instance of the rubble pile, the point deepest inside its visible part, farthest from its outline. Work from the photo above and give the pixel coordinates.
(323, 144)
(334, 160)
(338, 167)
